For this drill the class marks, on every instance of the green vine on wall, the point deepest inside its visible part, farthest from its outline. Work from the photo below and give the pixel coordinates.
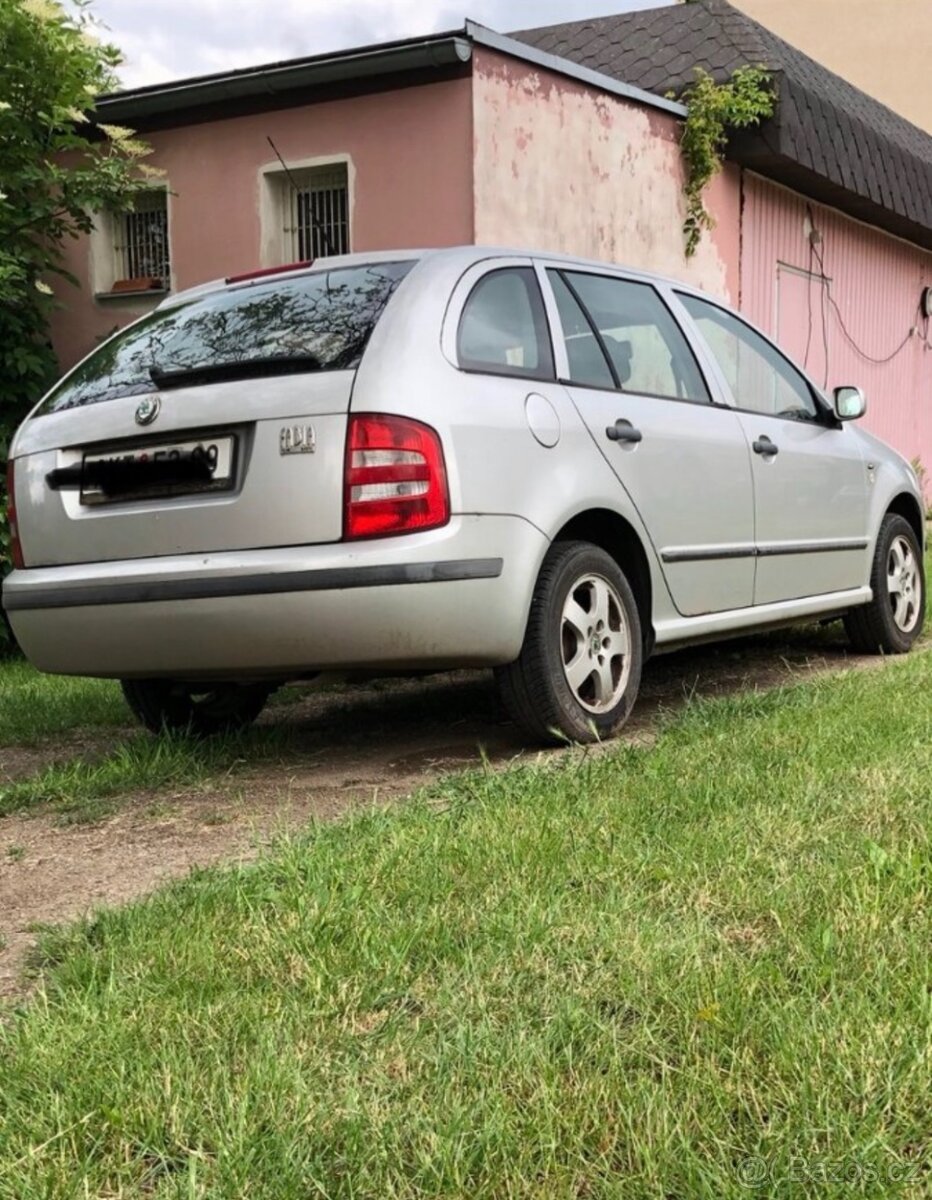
(714, 109)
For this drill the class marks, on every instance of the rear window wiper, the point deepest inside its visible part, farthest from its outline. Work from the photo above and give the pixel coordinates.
(246, 368)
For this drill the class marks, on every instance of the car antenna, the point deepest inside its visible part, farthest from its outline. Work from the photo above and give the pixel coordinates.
(319, 229)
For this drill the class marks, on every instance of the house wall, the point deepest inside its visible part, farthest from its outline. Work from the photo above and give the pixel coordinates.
(559, 166)
(865, 312)
(410, 161)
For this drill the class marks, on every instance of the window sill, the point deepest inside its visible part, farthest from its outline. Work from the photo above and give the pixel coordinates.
(146, 294)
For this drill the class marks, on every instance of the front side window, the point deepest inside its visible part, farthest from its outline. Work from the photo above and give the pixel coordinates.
(760, 378)
(646, 350)
(503, 329)
(316, 322)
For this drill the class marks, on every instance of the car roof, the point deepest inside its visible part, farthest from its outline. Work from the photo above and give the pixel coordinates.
(463, 256)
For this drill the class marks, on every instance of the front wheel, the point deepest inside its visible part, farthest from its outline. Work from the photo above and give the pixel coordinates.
(893, 620)
(164, 705)
(579, 670)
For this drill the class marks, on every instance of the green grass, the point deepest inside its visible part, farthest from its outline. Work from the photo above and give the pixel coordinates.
(82, 790)
(617, 976)
(34, 707)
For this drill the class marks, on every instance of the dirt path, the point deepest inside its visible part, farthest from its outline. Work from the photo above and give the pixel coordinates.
(352, 746)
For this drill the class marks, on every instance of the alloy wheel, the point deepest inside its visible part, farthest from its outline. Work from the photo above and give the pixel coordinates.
(595, 644)
(904, 585)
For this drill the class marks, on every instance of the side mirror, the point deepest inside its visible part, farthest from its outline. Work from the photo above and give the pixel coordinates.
(850, 403)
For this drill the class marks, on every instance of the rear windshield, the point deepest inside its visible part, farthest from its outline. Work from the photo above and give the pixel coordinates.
(317, 322)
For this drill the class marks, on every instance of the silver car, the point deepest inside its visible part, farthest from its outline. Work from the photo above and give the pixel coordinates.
(407, 462)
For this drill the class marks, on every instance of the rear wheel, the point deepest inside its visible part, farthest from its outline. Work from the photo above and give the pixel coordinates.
(893, 620)
(579, 670)
(201, 709)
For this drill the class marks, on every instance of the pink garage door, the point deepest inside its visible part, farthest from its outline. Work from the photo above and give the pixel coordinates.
(865, 312)
(802, 320)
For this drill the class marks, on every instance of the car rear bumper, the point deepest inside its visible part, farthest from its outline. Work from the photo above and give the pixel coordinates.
(458, 596)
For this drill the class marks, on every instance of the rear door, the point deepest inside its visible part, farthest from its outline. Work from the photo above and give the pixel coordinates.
(256, 379)
(682, 459)
(810, 479)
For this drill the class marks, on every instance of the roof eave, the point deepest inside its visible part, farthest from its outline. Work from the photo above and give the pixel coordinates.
(443, 50)
(750, 151)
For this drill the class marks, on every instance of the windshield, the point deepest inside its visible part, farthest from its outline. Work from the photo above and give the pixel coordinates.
(317, 322)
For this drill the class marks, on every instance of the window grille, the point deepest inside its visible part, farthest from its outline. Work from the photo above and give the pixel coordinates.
(317, 214)
(142, 239)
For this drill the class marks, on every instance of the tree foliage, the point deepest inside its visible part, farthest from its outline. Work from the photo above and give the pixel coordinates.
(58, 166)
(713, 110)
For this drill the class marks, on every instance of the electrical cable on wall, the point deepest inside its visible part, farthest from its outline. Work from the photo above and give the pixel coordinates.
(844, 328)
(823, 282)
(827, 298)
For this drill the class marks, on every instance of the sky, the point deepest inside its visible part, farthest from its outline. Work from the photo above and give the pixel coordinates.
(172, 39)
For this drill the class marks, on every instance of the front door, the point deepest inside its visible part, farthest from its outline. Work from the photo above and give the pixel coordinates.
(810, 480)
(683, 460)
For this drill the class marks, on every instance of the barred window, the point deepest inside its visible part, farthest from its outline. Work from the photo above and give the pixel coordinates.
(142, 250)
(317, 213)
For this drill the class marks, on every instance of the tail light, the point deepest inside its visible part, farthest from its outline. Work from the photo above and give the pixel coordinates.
(395, 480)
(16, 549)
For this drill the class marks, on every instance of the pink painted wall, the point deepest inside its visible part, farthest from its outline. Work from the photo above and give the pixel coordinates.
(410, 151)
(560, 166)
(876, 282)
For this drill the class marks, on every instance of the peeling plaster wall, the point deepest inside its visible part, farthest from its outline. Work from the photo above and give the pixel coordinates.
(561, 167)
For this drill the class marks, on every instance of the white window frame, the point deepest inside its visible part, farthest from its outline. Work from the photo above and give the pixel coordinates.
(278, 237)
(107, 252)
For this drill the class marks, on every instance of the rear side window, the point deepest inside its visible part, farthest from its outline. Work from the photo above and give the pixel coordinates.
(317, 322)
(503, 329)
(645, 347)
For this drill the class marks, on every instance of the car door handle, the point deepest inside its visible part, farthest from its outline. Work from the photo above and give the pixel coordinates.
(624, 431)
(766, 447)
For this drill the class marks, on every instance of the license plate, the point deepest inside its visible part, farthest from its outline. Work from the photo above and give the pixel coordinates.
(218, 453)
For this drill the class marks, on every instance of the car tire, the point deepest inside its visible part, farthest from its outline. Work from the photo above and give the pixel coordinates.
(893, 620)
(583, 614)
(205, 710)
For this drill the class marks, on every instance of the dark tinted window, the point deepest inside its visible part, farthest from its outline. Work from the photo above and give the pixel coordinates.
(760, 378)
(587, 363)
(648, 352)
(503, 329)
(323, 321)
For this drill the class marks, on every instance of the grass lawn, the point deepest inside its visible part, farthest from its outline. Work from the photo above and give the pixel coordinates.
(34, 707)
(696, 970)
(81, 789)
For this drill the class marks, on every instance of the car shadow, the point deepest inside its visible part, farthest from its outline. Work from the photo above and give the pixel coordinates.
(385, 728)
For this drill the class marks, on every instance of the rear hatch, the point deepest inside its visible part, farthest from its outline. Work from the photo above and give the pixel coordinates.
(215, 424)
